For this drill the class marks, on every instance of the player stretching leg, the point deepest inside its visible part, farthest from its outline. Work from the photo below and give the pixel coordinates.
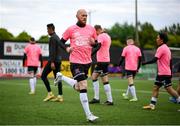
(82, 38)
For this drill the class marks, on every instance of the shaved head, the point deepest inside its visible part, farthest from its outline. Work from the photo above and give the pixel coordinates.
(81, 16)
(130, 41)
(80, 11)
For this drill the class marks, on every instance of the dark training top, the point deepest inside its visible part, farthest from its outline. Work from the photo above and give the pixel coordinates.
(55, 48)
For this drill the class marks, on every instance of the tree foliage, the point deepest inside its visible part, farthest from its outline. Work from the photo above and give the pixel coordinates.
(23, 36)
(5, 35)
(147, 35)
(121, 32)
(173, 34)
(43, 38)
(174, 29)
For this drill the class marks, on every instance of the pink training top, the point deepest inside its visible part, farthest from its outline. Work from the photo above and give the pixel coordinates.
(103, 52)
(131, 54)
(163, 54)
(80, 41)
(33, 52)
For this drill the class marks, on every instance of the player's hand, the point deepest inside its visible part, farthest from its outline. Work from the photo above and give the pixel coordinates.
(92, 41)
(69, 49)
(52, 66)
(137, 70)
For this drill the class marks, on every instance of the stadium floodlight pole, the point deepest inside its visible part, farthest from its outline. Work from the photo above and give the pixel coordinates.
(89, 13)
(136, 22)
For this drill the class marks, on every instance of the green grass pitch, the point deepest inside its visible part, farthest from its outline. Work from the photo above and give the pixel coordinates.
(17, 107)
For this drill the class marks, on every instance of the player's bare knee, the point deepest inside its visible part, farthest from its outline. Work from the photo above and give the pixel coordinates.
(104, 79)
(130, 80)
(156, 88)
(76, 87)
(83, 84)
(95, 76)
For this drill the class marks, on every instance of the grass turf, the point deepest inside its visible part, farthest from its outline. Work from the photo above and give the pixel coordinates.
(17, 107)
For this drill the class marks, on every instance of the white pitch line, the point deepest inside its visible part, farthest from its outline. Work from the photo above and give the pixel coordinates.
(113, 89)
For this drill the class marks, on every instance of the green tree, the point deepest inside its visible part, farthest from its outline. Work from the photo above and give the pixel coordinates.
(173, 32)
(114, 31)
(173, 29)
(23, 36)
(43, 38)
(119, 32)
(5, 35)
(116, 43)
(174, 40)
(147, 35)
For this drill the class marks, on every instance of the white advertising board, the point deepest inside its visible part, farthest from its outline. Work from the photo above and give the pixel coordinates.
(12, 67)
(17, 49)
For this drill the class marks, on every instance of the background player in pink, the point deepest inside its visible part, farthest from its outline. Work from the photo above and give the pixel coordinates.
(82, 38)
(32, 53)
(132, 56)
(164, 75)
(101, 69)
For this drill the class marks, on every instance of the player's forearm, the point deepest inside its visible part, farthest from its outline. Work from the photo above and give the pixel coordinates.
(41, 60)
(139, 62)
(24, 58)
(154, 60)
(171, 66)
(96, 47)
(61, 43)
(122, 60)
